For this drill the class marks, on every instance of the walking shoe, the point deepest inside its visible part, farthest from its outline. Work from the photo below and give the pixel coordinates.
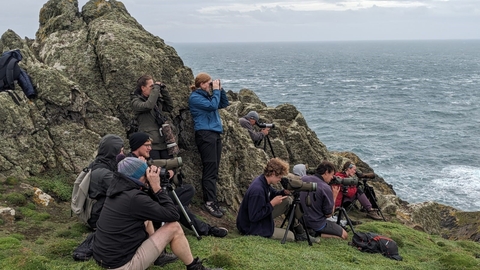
(165, 258)
(300, 237)
(212, 209)
(197, 265)
(221, 208)
(374, 215)
(218, 231)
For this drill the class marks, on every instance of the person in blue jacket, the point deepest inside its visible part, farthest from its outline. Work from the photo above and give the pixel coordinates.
(206, 99)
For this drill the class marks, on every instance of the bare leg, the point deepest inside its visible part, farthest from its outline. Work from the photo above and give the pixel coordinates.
(172, 233)
(149, 227)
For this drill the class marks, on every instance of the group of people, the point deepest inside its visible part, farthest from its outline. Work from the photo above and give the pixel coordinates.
(262, 203)
(135, 217)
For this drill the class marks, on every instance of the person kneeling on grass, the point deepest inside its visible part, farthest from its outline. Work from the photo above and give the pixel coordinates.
(125, 237)
(322, 203)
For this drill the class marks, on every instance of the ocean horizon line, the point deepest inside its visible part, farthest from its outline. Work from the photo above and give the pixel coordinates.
(324, 41)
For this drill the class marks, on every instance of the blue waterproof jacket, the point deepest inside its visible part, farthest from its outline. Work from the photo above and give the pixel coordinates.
(204, 109)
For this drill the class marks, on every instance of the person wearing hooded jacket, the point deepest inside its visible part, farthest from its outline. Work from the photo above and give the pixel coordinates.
(300, 170)
(125, 238)
(103, 168)
(149, 101)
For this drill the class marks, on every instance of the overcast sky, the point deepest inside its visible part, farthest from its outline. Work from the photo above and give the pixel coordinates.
(265, 20)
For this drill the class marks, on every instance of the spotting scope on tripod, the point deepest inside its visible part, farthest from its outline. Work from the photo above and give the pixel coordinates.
(168, 181)
(266, 138)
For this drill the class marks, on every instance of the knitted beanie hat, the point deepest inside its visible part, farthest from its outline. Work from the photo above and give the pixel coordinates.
(132, 167)
(252, 115)
(138, 139)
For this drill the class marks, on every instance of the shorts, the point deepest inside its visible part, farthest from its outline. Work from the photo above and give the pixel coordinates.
(146, 254)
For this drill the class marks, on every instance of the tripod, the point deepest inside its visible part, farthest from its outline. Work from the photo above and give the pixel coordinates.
(292, 212)
(267, 139)
(169, 188)
(342, 211)
(370, 193)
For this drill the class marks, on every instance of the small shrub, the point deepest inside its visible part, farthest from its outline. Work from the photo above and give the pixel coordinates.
(459, 261)
(40, 241)
(16, 199)
(18, 236)
(54, 183)
(8, 243)
(34, 215)
(61, 248)
(11, 181)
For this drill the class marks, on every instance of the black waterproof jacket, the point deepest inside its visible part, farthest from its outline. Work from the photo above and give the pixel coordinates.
(104, 165)
(121, 228)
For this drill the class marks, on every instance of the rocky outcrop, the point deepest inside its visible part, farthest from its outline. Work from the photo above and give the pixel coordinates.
(85, 65)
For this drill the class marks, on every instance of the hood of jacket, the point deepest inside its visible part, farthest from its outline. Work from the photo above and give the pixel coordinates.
(123, 183)
(300, 170)
(108, 149)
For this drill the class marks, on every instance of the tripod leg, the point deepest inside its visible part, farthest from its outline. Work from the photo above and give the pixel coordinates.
(179, 203)
(270, 144)
(349, 222)
(291, 214)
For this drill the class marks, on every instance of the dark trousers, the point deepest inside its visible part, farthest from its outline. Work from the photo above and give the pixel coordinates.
(185, 194)
(209, 145)
(160, 154)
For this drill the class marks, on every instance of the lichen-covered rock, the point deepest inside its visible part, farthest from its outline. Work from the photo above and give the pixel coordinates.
(85, 65)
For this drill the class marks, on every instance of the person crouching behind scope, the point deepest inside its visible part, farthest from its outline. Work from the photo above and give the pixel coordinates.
(322, 203)
(262, 203)
(353, 192)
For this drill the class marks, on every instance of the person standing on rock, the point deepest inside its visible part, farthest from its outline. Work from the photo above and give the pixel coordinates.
(206, 99)
(150, 101)
(248, 121)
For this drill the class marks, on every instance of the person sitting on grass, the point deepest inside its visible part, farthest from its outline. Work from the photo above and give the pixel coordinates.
(125, 237)
(262, 203)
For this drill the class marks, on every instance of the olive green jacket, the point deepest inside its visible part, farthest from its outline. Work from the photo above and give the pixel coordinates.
(145, 115)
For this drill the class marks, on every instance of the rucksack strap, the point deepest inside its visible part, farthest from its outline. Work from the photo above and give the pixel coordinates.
(14, 96)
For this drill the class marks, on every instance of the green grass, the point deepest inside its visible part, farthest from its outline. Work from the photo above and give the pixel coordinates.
(44, 238)
(419, 251)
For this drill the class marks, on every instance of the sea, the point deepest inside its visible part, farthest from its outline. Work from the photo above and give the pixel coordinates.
(410, 109)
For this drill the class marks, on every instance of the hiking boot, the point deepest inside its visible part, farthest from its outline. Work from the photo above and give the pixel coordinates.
(218, 231)
(197, 265)
(301, 237)
(374, 215)
(212, 209)
(221, 208)
(165, 258)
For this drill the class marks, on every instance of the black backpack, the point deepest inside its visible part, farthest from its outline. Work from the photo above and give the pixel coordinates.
(10, 72)
(9, 69)
(375, 243)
